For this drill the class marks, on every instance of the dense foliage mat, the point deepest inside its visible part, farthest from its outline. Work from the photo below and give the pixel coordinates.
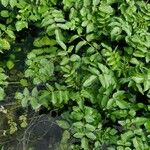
(89, 59)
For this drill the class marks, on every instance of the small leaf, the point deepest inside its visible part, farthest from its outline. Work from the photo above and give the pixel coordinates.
(127, 135)
(64, 61)
(35, 92)
(96, 2)
(2, 94)
(54, 99)
(18, 95)
(20, 25)
(23, 124)
(79, 45)
(13, 3)
(4, 44)
(58, 39)
(91, 136)
(138, 79)
(10, 64)
(75, 57)
(10, 34)
(122, 104)
(78, 125)
(90, 127)
(34, 103)
(134, 61)
(115, 32)
(147, 82)
(62, 26)
(140, 120)
(85, 143)
(65, 136)
(26, 92)
(4, 2)
(23, 82)
(24, 102)
(79, 135)
(5, 13)
(63, 124)
(138, 144)
(89, 118)
(74, 37)
(89, 81)
(104, 101)
(110, 103)
(89, 28)
(147, 126)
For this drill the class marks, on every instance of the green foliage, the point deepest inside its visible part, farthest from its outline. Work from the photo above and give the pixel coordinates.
(3, 84)
(89, 56)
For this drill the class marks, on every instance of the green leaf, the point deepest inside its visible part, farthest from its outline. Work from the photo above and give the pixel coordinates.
(2, 94)
(147, 82)
(138, 54)
(134, 61)
(75, 57)
(4, 2)
(64, 61)
(89, 81)
(74, 37)
(44, 41)
(79, 135)
(20, 25)
(80, 45)
(26, 92)
(65, 136)
(79, 125)
(54, 98)
(104, 101)
(18, 95)
(34, 103)
(147, 126)
(58, 39)
(4, 44)
(96, 2)
(63, 26)
(10, 34)
(90, 127)
(89, 28)
(138, 79)
(94, 70)
(35, 92)
(5, 13)
(13, 3)
(115, 32)
(24, 82)
(85, 143)
(77, 116)
(91, 135)
(24, 102)
(127, 135)
(122, 104)
(63, 124)
(10, 64)
(138, 144)
(140, 120)
(89, 118)
(110, 103)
